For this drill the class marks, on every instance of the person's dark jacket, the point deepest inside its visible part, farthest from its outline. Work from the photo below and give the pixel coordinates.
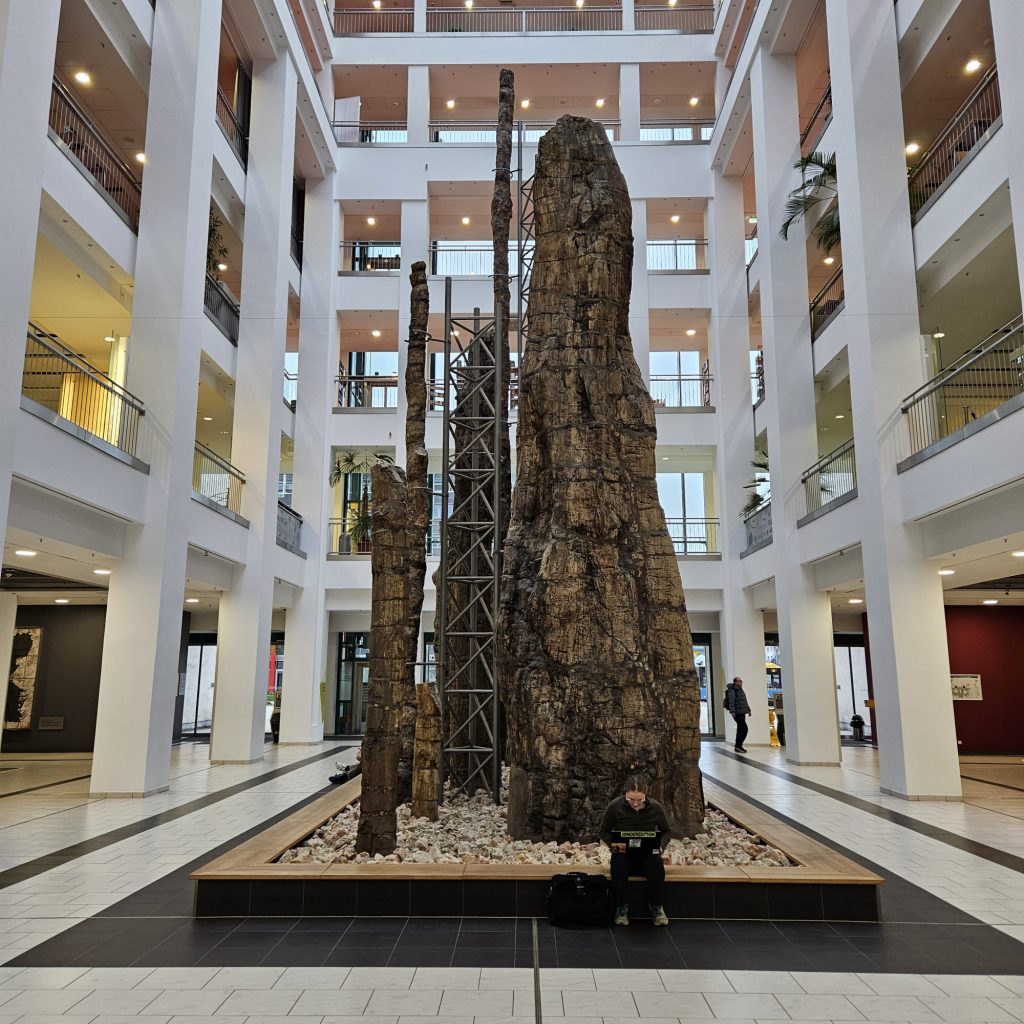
(620, 817)
(736, 702)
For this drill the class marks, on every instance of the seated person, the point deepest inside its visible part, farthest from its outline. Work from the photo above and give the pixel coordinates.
(635, 812)
(346, 772)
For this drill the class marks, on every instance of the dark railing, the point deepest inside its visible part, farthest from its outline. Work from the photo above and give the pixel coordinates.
(832, 477)
(980, 381)
(340, 537)
(216, 479)
(349, 133)
(758, 526)
(367, 392)
(757, 379)
(966, 133)
(825, 306)
(360, 257)
(289, 527)
(677, 129)
(816, 125)
(483, 132)
(58, 379)
(221, 308)
(372, 22)
(694, 536)
(296, 247)
(291, 389)
(685, 255)
(72, 130)
(674, 19)
(681, 392)
(236, 133)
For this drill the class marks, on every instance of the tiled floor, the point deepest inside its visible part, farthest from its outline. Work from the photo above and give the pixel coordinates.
(96, 911)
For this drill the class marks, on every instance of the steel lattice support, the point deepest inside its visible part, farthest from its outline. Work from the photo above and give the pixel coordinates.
(470, 569)
(526, 243)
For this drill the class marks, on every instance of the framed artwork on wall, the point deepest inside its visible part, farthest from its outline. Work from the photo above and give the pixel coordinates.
(966, 687)
(21, 683)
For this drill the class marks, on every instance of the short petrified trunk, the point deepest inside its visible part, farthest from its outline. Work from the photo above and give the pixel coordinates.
(596, 668)
(426, 754)
(388, 629)
(417, 512)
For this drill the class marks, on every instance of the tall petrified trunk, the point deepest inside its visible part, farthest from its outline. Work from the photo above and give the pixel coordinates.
(596, 671)
(426, 754)
(417, 512)
(388, 648)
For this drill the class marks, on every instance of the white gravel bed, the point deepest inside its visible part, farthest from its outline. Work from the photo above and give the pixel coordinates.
(472, 830)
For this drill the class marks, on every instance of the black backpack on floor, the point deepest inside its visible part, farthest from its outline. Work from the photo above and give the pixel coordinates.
(579, 900)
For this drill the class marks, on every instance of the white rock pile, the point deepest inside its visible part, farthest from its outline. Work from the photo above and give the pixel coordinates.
(472, 830)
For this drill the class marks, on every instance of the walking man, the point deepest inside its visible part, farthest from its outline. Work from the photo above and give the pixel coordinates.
(738, 706)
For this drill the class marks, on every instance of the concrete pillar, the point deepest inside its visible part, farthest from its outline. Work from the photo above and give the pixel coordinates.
(28, 41)
(139, 673)
(243, 640)
(639, 316)
(415, 245)
(628, 16)
(1008, 37)
(306, 620)
(417, 103)
(8, 616)
(629, 102)
(805, 618)
(419, 16)
(742, 625)
(909, 657)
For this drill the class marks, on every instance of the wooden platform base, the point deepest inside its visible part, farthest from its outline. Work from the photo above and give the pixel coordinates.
(824, 886)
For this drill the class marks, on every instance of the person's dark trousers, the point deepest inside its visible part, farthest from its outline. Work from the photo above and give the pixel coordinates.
(651, 866)
(741, 729)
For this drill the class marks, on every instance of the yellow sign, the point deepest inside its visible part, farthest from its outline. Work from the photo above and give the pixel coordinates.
(323, 701)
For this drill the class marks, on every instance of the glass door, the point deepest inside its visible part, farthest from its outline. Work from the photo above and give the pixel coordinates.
(702, 662)
(200, 673)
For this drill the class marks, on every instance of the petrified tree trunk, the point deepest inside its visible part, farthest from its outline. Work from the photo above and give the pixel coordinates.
(596, 670)
(388, 630)
(417, 512)
(426, 754)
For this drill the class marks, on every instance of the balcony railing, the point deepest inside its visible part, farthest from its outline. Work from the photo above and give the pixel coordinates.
(289, 528)
(340, 539)
(435, 392)
(234, 131)
(826, 305)
(72, 130)
(686, 255)
(682, 392)
(290, 389)
(351, 133)
(674, 19)
(694, 536)
(483, 132)
(470, 259)
(817, 123)
(524, 20)
(216, 479)
(758, 527)
(979, 382)
(688, 129)
(372, 22)
(221, 308)
(832, 478)
(71, 387)
(367, 392)
(750, 248)
(958, 143)
(362, 257)
(757, 387)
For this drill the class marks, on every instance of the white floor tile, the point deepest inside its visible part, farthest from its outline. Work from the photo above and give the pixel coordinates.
(446, 978)
(422, 1003)
(245, 977)
(43, 977)
(638, 980)
(199, 1002)
(327, 1003)
(831, 983)
(964, 1009)
(892, 1007)
(178, 977)
(745, 1005)
(119, 1001)
(380, 977)
(764, 981)
(601, 1004)
(970, 984)
(260, 1001)
(805, 1007)
(312, 978)
(695, 981)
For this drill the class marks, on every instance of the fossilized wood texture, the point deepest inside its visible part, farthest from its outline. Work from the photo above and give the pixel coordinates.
(417, 512)
(388, 630)
(596, 668)
(427, 754)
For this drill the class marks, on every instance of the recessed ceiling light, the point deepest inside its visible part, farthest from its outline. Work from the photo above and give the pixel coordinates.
(25, 553)
(972, 65)
(61, 600)
(525, 104)
(947, 572)
(141, 157)
(195, 600)
(856, 600)
(207, 419)
(751, 220)
(83, 78)
(450, 104)
(376, 5)
(694, 100)
(938, 335)
(690, 332)
(599, 102)
(469, 5)
(840, 416)
(990, 600)
(912, 148)
(674, 218)
(375, 334)
(829, 260)
(371, 221)
(664, 458)
(1016, 554)
(222, 267)
(465, 220)
(579, 3)
(101, 572)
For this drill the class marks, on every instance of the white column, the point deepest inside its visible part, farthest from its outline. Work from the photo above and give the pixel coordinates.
(639, 304)
(628, 16)
(417, 103)
(805, 618)
(415, 243)
(419, 16)
(1008, 36)
(142, 637)
(306, 620)
(243, 638)
(629, 102)
(742, 625)
(909, 657)
(28, 41)
(8, 616)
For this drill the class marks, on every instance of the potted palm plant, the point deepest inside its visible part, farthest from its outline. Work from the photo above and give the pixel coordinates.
(357, 529)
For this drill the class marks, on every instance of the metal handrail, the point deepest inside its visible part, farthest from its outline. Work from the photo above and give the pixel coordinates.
(289, 526)
(71, 128)
(216, 479)
(352, 133)
(681, 254)
(524, 20)
(965, 133)
(818, 122)
(758, 525)
(361, 256)
(234, 131)
(831, 477)
(694, 536)
(477, 132)
(67, 384)
(827, 303)
(681, 391)
(981, 380)
(660, 19)
(372, 22)
(221, 308)
(367, 392)
(291, 388)
(677, 129)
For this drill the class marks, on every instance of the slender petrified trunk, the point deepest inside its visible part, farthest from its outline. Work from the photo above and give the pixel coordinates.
(388, 630)
(426, 754)
(417, 511)
(596, 664)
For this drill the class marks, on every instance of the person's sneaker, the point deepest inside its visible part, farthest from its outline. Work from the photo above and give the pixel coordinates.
(740, 750)
(622, 915)
(658, 915)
